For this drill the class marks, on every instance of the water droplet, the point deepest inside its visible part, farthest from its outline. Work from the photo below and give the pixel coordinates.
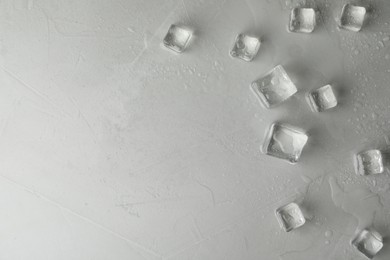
(328, 233)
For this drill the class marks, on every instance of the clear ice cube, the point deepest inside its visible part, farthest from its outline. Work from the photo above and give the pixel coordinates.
(290, 217)
(322, 99)
(352, 17)
(245, 47)
(285, 142)
(369, 162)
(177, 38)
(368, 242)
(302, 20)
(274, 88)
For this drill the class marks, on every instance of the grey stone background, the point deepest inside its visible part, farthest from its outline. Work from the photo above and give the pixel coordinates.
(112, 147)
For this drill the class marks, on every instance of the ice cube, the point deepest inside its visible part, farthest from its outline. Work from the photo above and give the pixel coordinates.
(369, 162)
(290, 217)
(285, 142)
(368, 242)
(245, 47)
(352, 17)
(322, 99)
(177, 38)
(302, 20)
(274, 88)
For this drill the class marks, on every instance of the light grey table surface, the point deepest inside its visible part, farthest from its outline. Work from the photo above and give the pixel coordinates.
(112, 147)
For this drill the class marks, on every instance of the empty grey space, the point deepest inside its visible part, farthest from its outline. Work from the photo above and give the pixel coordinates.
(114, 147)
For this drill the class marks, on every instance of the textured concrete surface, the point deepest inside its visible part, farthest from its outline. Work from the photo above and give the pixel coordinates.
(112, 147)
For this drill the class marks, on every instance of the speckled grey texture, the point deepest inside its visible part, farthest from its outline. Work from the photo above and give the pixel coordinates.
(112, 147)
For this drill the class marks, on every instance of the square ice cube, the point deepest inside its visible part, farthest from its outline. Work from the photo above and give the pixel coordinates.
(369, 162)
(302, 20)
(285, 142)
(245, 47)
(368, 242)
(274, 88)
(177, 38)
(290, 217)
(352, 17)
(322, 99)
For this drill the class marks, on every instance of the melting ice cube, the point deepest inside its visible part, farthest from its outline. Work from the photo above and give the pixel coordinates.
(285, 142)
(352, 17)
(302, 20)
(245, 47)
(177, 38)
(368, 242)
(369, 162)
(274, 88)
(290, 217)
(322, 99)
